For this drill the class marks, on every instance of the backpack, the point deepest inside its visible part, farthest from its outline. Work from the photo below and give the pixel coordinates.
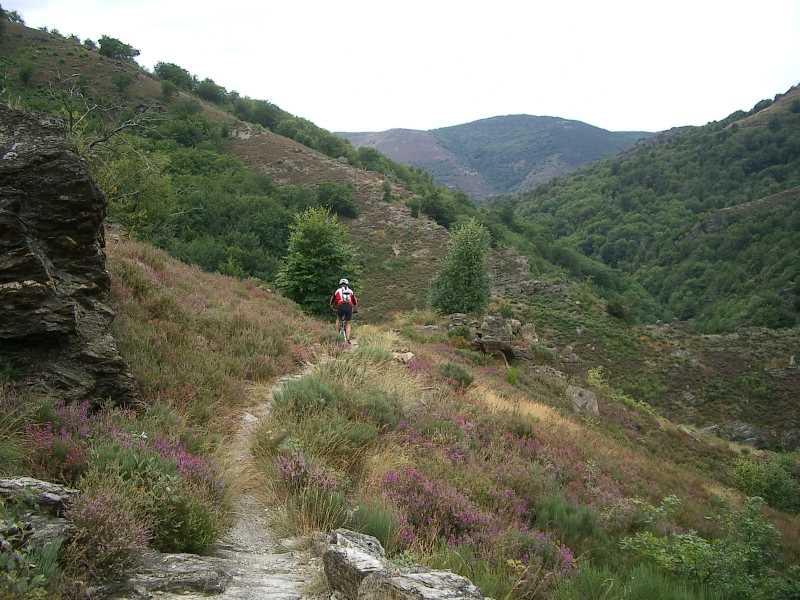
(344, 295)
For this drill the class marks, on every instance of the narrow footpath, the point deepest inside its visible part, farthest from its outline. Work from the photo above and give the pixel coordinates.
(262, 568)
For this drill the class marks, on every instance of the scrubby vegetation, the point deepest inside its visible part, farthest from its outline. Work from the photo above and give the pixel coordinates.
(503, 489)
(151, 475)
(692, 216)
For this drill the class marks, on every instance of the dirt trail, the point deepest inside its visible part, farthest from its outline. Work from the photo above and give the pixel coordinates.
(261, 567)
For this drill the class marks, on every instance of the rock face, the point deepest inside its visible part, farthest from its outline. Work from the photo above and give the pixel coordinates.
(54, 316)
(357, 569)
(583, 401)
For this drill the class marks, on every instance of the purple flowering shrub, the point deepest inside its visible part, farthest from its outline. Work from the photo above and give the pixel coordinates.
(432, 509)
(59, 447)
(176, 491)
(108, 537)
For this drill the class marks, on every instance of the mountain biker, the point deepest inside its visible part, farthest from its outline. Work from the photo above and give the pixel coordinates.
(343, 300)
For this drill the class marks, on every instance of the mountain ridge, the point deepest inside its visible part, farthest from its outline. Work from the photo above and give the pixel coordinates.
(499, 154)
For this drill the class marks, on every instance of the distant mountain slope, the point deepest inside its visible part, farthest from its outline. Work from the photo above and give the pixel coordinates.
(500, 154)
(705, 218)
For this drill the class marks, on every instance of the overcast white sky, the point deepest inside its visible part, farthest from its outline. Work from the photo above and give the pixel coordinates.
(367, 65)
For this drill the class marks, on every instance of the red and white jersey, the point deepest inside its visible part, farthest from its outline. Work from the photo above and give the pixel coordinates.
(344, 295)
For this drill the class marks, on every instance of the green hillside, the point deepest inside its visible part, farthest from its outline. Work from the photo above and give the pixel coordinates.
(704, 218)
(499, 155)
(517, 152)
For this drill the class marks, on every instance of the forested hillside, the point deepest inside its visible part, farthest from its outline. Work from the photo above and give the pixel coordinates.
(501, 154)
(705, 218)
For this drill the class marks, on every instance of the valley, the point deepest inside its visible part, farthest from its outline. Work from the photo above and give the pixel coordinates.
(618, 417)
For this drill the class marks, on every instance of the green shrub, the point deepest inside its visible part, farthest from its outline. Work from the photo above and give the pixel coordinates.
(512, 375)
(460, 331)
(573, 523)
(122, 81)
(770, 478)
(15, 413)
(462, 284)
(737, 563)
(168, 89)
(457, 375)
(338, 198)
(25, 73)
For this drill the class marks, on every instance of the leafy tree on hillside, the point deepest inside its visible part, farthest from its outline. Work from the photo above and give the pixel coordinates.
(318, 255)
(177, 75)
(114, 48)
(338, 197)
(462, 284)
(208, 90)
(89, 44)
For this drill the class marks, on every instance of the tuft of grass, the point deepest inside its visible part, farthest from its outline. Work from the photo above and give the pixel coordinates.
(375, 518)
(456, 375)
(643, 582)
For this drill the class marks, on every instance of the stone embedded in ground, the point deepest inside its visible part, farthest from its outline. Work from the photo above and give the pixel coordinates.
(54, 314)
(426, 585)
(583, 401)
(177, 574)
(50, 496)
(403, 357)
(350, 558)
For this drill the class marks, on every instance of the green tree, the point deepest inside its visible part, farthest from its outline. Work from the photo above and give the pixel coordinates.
(462, 284)
(318, 255)
(208, 90)
(338, 197)
(89, 44)
(114, 48)
(174, 73)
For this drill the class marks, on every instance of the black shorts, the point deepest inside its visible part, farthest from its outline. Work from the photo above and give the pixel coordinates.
(345, 311)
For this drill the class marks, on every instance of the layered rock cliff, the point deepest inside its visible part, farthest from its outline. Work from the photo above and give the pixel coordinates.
(54, 313)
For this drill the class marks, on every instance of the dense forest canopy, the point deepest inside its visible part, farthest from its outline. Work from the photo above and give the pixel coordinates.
(662, 213)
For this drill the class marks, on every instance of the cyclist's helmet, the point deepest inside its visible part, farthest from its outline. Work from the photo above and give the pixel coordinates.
(344, 281)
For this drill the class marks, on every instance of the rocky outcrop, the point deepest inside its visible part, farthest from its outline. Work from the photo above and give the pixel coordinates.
(427, 585)
(356, 568)
(40, 512)
(49, 496)
(350, 558)
(54, 313)
(583, 401)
